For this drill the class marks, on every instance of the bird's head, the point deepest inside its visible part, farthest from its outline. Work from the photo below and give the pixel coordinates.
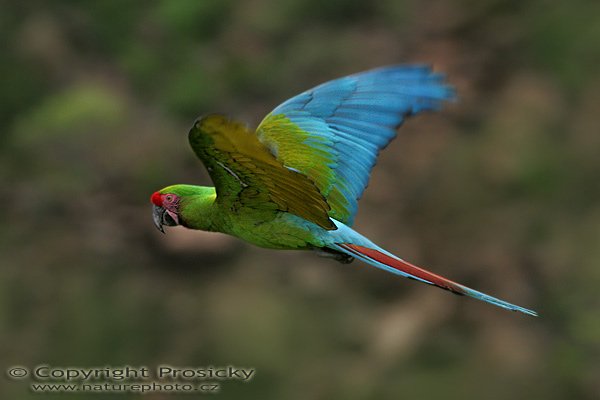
(165, 209)
(185, 205)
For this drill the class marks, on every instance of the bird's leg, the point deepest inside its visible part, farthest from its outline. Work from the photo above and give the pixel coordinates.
(336, 255)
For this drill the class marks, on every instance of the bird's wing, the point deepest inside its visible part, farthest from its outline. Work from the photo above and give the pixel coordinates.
(334, 132)
(246, 174)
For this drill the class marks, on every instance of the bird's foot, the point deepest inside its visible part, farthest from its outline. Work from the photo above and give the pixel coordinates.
(336, 255)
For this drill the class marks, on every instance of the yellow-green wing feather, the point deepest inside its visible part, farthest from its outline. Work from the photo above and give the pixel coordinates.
(246, 174)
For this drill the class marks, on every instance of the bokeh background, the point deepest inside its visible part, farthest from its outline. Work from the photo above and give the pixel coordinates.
(499, 191)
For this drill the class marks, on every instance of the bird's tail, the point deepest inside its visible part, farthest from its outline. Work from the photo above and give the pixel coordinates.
(360, 247)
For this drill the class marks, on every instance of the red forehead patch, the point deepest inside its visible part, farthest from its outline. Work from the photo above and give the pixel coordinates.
(156, 199)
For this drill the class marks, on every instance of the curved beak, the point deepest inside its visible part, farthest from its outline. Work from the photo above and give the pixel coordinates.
(162, 216)
(158, 214)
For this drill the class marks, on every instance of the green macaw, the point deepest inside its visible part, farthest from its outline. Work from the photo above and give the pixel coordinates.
(295, 182)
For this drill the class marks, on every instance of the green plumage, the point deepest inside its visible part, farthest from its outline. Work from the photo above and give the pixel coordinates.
(255, 197)
(262, 227)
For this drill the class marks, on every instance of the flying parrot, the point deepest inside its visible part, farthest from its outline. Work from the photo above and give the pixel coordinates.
(294, 182)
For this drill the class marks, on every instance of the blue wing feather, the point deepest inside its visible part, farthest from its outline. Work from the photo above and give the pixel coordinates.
(357, 116)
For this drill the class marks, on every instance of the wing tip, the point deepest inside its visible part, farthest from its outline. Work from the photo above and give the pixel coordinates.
(202, 119)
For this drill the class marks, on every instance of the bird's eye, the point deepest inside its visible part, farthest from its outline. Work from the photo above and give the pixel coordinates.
(169, 198)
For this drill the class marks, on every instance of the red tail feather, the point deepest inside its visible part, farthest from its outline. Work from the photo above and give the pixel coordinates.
(405, 267)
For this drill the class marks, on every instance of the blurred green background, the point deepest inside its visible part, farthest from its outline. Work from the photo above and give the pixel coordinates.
(499, 191)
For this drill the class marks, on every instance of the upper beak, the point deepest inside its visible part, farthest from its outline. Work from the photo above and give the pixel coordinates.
(157, 216)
